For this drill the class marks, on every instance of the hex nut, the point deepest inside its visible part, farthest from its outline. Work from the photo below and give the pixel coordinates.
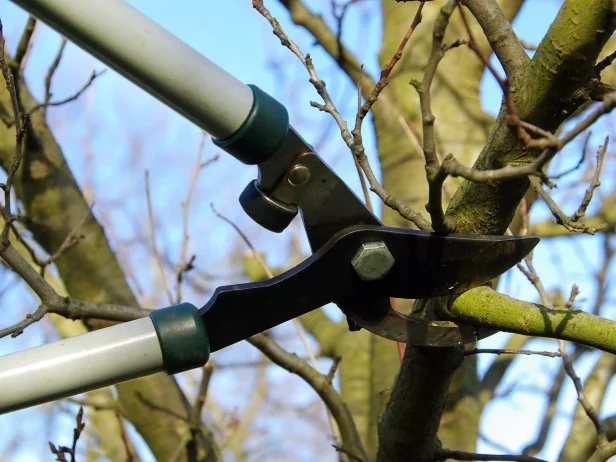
(372, 261)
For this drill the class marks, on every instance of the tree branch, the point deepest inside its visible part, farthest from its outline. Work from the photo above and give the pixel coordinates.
(351, 442)
(412, 417)
(476, 306)
(500, 34)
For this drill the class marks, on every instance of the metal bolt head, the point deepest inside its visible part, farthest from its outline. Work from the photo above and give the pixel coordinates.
(299, 175)
(372, 261)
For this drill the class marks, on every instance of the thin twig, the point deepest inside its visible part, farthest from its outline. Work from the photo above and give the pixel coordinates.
(328, 106)
(186, 264)
(75, 96)
(51, 72)
(62, 451)
(298, 327)
(579, 163)
(559, 215)
(157, 258)
(21, 123)
(454, 168)
(445, 454)
(434, 173)
(23, 46)
(594, 184)
(498, 351)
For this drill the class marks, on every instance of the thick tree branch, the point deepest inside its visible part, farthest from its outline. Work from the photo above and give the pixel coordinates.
(500, 34)
(551, 88)
(413, 413)
(484, 307)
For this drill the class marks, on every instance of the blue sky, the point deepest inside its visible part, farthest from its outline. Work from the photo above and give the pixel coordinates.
(118, 115)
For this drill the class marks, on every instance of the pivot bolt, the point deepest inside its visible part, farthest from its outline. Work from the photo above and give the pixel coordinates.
(372, 261)
(299, 175)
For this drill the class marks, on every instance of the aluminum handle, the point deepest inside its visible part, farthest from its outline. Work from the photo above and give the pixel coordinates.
(153, 58)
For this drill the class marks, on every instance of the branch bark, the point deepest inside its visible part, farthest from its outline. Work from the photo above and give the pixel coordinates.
(484, 307)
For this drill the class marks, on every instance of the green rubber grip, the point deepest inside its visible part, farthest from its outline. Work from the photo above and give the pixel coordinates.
(262, 132)
(182, 336)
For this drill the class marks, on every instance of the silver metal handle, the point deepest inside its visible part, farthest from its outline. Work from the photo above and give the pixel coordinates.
(153, 58)
(78, 364)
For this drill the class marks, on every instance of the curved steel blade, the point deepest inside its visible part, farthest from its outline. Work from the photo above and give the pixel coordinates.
(426, 265)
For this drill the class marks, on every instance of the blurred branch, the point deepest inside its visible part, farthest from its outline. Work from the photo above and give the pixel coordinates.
(296, 322)
(62, 451)
(548, 416)
(351, 442)
(445, 454)
(73, 97)
(153, 246)
(186, 264)
(502, 351)
(17, 63)
(51, 302)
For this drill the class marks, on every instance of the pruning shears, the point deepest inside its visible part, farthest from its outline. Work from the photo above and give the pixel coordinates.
(356, 262)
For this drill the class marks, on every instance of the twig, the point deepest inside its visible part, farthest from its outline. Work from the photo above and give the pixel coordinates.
(129, 453)
(197, 408)
(72, 239)
(187, 264)
(581, 396)
(351, 442)
(594, 184)
(21, 124)
(454, 168)
(559, 215)
(339, 21)
(296, 323)
(333, 368)
(62, 451)
(498, 351)
(580, 162)
(23, 46)
(157, 258)
(72, 98)
(513, 119)
(51, 72)
(363, 109)
(434, 173)
(445, 454)
(52, 302)
(604, 63)
(18, 328)
(328, 106)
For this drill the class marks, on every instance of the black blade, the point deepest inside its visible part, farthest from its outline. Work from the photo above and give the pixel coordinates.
(426, 265)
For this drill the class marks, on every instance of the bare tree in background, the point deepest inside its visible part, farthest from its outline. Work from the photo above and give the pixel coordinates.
(446, 166)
